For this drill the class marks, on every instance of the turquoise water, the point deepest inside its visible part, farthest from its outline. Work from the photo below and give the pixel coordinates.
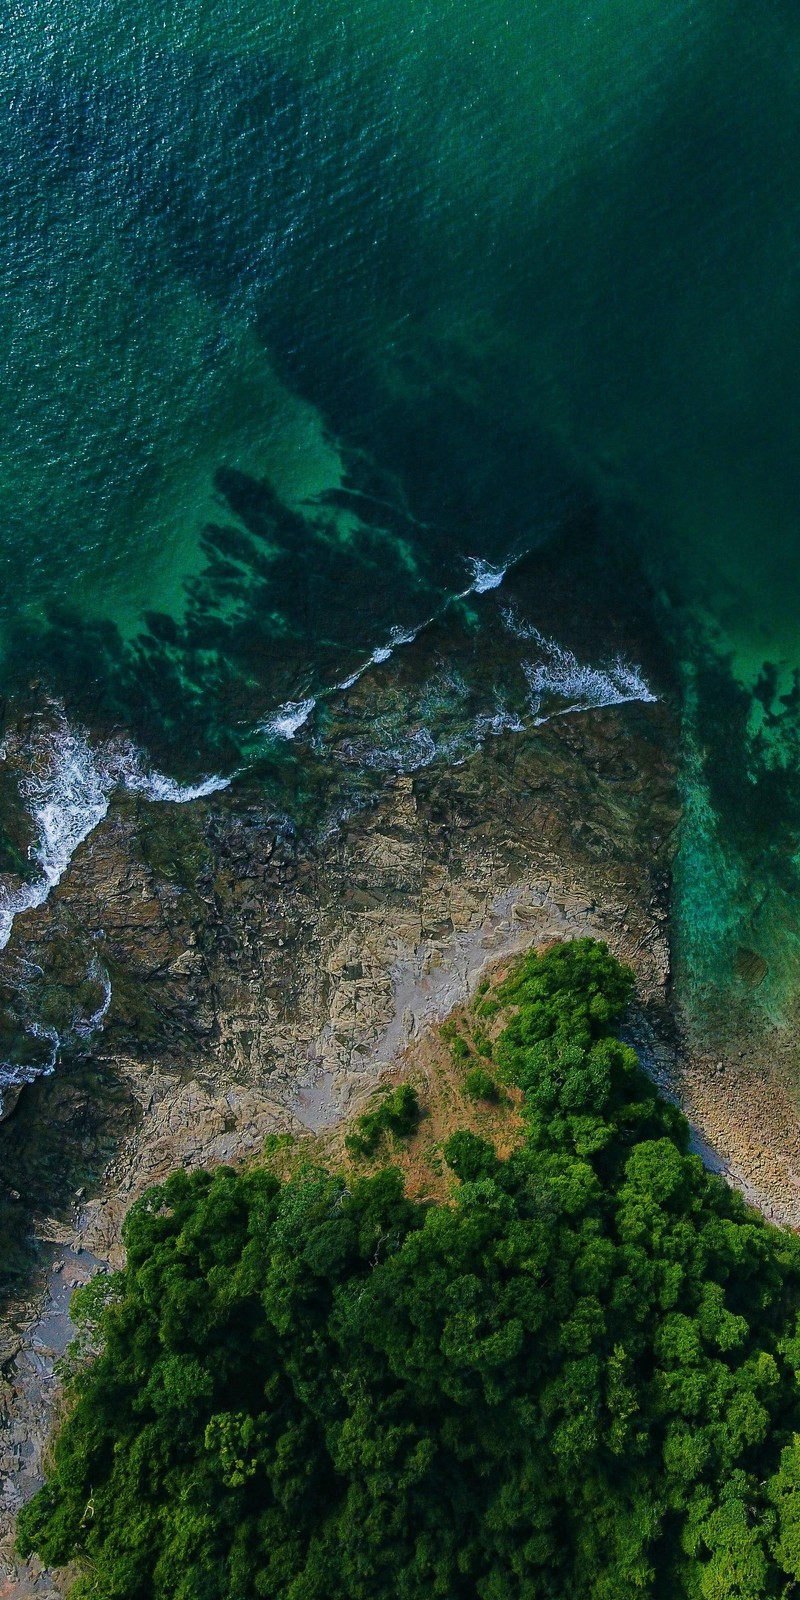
(302, 307)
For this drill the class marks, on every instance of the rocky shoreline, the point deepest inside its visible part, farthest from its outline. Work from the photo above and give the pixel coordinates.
(263, 982)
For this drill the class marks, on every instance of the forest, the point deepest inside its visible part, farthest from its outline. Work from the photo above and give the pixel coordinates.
(574, 1379)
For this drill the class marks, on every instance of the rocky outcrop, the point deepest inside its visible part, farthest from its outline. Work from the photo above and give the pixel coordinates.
(260, 975)
(262, 981)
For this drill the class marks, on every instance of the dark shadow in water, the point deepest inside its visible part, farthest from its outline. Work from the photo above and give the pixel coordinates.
(224, 172)
(289, 603)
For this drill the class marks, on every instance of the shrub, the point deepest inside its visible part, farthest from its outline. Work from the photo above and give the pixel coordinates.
(398, 1113)
(487, 1008)
(480, 1085)
(275, 1142)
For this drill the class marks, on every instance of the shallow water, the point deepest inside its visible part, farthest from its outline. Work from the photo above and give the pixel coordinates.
(305, 310)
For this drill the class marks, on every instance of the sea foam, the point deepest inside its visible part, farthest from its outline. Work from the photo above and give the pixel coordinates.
(485, 576)
(382, 652)
(15, 1074)
(87, 1027)
(560, 675)
(68, 789)
(289, 719)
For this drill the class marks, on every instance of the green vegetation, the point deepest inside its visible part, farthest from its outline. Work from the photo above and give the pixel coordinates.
(487, 1008)
(578, 1381)
(397, 1113)
(480, 1085)
(277, 1141)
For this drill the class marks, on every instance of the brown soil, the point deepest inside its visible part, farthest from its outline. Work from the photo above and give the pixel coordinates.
(431, 1066)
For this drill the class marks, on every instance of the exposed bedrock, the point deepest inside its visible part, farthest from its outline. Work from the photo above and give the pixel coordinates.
(261, 980)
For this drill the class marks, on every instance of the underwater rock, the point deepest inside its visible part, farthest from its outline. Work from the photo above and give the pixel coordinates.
(750, 967)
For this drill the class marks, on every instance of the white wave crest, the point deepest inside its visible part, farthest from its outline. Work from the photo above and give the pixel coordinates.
(382, 652)
(289, 719)
(16, 1074)
(500, 721)
(87, 1027)
(485, 576)
(41, 1030)
(397, 637)
(347, 683)
(562, 676)
(155, 786)
(68, 790)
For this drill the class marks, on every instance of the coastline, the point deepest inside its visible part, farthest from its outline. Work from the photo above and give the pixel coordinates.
(262, 981)
(195, 1135)
(283, 978)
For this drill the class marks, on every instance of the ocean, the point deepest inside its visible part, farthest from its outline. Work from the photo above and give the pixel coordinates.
(315, 323)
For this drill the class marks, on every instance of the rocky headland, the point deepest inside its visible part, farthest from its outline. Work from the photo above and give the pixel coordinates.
(263, 981)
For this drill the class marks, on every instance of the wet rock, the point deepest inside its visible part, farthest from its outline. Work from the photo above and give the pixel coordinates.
(750, 967)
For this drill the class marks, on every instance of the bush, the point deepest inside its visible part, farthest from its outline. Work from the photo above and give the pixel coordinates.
(275, 1142)
(487, 1008)
(480, 1085)
(399, 1114)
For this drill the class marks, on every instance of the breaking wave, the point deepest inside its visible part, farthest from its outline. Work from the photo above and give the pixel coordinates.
(485, 576)
(14, 1074)
(87, 1027)
(397, 637)
(289, 719)
(81, 1029)
(67, 782)
(68, 786)
(559, 676)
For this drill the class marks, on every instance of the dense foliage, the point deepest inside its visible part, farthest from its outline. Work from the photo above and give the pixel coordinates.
(576, 1382)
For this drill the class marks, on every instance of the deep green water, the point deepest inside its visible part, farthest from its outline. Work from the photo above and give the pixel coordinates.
(303, 306)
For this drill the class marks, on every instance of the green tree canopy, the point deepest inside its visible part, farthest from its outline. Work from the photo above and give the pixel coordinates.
(578, 1381)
